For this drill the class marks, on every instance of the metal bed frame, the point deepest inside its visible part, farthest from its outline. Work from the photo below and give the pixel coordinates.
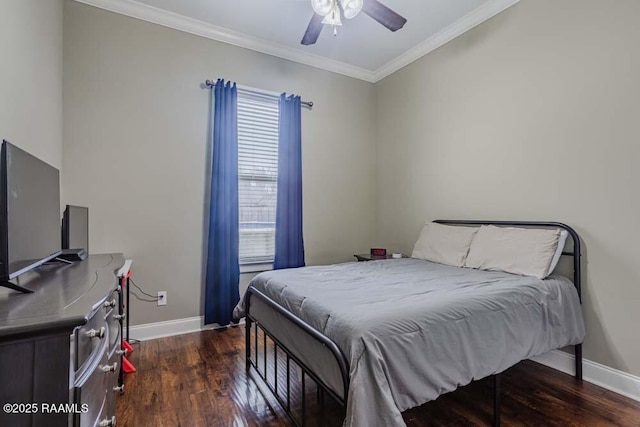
(340, 358)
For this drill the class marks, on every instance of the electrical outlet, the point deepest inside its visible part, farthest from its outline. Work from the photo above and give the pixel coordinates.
(162, 298)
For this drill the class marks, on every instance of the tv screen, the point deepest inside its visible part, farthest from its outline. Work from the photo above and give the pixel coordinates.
(30, 211)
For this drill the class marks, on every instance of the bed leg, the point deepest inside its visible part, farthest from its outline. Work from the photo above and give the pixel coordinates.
(578, 355)
(247, 343)
(496, 400)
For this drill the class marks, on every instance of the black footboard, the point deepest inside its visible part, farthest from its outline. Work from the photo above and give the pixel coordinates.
(322, 387)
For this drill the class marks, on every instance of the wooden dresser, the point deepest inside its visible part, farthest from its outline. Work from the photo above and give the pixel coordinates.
(60, 347)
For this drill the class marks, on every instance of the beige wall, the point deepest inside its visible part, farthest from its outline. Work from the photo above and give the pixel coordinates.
(532, 115)
(135, 152)
(31, 76)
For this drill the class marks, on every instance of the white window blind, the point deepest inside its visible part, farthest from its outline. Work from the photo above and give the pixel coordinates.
(257, 175)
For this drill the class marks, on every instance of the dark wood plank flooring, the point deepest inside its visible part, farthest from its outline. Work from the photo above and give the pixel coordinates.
(199, 380)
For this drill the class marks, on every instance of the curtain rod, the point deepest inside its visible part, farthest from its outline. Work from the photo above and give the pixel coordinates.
(307, 104)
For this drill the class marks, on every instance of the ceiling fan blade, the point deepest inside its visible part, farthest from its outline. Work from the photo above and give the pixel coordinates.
(383, 15)
(313, 30)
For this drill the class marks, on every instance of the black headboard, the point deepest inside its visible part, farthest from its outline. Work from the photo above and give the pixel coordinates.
(577, 273)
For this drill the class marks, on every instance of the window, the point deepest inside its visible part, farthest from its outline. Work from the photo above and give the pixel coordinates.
(257, 175)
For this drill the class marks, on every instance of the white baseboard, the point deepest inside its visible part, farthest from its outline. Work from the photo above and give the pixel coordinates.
(612, 379)
(151, 331)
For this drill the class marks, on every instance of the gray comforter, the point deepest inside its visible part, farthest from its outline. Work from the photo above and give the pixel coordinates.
(413, 330)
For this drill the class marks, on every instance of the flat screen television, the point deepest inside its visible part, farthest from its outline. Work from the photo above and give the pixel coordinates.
(29, 213)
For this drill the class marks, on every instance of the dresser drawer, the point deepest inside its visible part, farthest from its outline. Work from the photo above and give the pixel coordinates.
(89, 337)
(113, 324)
(115, 335)
(90, 389)
(113, 391)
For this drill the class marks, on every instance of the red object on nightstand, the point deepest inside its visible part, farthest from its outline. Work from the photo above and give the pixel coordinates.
(381, 252)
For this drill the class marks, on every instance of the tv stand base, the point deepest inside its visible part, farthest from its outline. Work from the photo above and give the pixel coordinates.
(15, 287)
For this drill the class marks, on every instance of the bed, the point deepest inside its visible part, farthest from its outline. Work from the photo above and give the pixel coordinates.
(385, 336)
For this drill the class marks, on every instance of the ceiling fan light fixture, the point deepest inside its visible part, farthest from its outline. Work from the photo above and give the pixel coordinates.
(328, 12)
(333, 17)
(322, 7)
(351, 8)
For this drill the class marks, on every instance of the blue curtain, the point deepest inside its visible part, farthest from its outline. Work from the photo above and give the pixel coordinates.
(289, 242)
(223, 271)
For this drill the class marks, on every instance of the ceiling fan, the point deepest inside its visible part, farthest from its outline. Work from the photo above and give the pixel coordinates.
(327, 12)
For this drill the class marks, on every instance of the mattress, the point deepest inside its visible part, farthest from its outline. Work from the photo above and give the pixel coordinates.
(413, 330)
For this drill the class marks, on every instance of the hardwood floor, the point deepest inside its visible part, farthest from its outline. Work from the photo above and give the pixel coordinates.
(199, 379)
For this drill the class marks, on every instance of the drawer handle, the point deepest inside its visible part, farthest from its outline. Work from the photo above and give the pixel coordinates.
(108, 422)
(111, 303)
(120, 316)
(92, 333)
(110, 368)
(119, 389)
(122, 352)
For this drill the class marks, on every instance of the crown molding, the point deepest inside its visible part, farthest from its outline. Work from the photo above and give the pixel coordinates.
(178, 22)
(466, 23)
(168, 19)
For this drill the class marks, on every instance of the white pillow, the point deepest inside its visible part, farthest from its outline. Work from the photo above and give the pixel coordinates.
(556, 257)
(444, 244)
(523, 251)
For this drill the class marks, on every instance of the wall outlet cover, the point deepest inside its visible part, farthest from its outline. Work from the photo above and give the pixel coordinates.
(162, 298)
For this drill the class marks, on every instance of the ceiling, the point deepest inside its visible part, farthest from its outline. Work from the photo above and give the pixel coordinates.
(363, 48)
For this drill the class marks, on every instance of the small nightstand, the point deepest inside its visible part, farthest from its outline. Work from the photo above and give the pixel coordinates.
(369, 257)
